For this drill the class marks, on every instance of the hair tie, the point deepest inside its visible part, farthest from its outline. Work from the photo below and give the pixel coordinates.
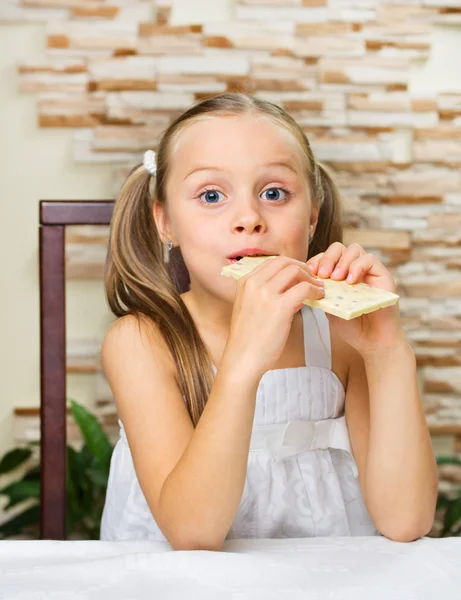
(149, 162)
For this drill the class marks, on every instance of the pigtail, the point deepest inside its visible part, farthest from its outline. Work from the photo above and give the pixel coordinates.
(137, 282)
(329, 225)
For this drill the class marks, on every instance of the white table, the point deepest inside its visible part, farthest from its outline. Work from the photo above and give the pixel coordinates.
(358, 568)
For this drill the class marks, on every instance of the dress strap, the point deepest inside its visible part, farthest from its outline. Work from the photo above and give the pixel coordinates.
(317, 343)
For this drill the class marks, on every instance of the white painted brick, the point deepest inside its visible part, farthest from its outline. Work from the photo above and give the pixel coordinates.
(359, 4)
(451, 375)
(441, 3)
(448, 19)
(289, 13)
(444, 308)
(416, 307)
(354, 15)
(266, 42)
(329, 46)
(412, 55)
(94, 29)
(352, 151)
(372, 75)
(401, 141)
(331, 102)
(12, 12)
(437, 253)
(412, 210)
(130, 67)
(55, 103)
(212, 87)
(83, 151)
(420, 268)
(148, 100)
(128, 138)
(435, 235)
(232, 65)
(430, 334)
(170, 44)
(63, 82)
(436, 150)
(424, 181)
(56, 64)
(449, 101)
(235, 29)
(404, 224)
(327, 119)
(282, 67)
(454, 199)
(269, 2)
(200, 11)
(79, 53)
(386, 119)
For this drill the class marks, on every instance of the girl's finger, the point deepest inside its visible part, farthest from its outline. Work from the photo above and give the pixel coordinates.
(313, 262)
(330, 259)
(352, 252)
(367, 264)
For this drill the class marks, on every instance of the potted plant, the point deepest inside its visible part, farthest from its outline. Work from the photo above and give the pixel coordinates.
(87, 475)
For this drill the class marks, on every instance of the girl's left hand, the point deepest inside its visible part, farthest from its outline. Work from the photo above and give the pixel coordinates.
(375, 331)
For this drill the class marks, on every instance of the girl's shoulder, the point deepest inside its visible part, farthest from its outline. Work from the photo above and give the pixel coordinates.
(135, 333)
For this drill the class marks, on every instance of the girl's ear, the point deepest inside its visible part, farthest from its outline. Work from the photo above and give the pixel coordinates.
(314, 219)
(162, 222)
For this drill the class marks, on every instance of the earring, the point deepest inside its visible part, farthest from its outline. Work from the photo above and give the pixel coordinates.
(166, 251)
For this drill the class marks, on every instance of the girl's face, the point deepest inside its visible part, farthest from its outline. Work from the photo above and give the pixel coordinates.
(236, 182)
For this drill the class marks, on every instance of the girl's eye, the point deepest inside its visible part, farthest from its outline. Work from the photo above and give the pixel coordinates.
(211, 196)
(277, 194)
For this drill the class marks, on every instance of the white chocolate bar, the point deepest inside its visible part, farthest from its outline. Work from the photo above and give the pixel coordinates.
(341, 299)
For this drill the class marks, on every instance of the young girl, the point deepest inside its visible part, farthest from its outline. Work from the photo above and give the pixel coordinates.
(244, 412)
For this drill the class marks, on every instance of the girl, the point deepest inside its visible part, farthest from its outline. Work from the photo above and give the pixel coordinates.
(243, 412)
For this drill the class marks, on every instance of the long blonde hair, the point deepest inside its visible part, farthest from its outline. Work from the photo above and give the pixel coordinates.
(137, 281)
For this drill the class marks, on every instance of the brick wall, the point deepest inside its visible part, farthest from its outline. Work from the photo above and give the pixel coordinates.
(117, 72)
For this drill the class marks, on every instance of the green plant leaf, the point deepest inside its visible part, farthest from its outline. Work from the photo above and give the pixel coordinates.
(93, 434)
(448, 460)
(14, 459)
(442, 502)
(16, 525)
(452, 516)
(21, 490)
(73, 510)
(98, 477)
(33, 474)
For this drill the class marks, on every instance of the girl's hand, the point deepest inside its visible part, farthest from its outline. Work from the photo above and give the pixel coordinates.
(373, 332)
(266, 301)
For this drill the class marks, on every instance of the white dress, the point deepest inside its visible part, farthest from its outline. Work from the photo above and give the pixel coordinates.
(302, 480)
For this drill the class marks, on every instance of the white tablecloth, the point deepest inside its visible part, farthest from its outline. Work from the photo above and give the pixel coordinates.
(366, 568)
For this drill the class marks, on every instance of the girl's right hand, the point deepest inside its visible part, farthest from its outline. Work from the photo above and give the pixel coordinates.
(265, 304)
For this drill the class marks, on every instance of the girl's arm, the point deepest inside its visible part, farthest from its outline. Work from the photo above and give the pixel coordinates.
(391, 442)
(389, 435)
(192, 479)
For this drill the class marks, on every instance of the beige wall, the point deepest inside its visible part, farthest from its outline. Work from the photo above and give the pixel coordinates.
(37, 163)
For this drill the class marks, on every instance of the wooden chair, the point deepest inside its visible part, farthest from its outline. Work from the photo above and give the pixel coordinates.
(54, 217)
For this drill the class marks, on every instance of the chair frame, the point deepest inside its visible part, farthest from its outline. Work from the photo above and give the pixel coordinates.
(54, 216)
